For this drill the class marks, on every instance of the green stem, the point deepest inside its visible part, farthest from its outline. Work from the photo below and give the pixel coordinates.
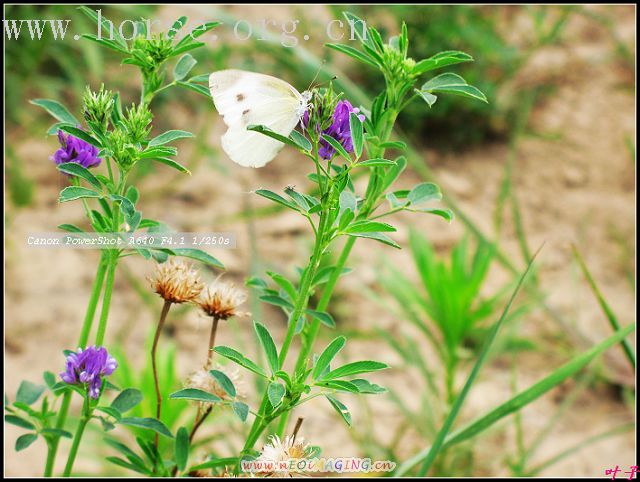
(314, 328)
(106, 299)
(154, 363)
(82, 341)
(78, 437)
(260, 423)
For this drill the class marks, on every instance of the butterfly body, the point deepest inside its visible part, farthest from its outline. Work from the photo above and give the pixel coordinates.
(248, 98)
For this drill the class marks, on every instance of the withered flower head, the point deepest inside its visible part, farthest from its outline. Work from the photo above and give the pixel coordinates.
(221, 300)
(284, 450)
(176, 282)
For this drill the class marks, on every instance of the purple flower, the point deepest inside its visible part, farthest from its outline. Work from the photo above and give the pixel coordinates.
(339, 129)
(88, 367)
(75, 150)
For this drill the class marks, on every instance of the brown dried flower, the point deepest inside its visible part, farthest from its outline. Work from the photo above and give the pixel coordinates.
(221, 300)
(176, 282)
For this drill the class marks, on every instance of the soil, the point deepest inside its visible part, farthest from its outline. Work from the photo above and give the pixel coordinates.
(575, 181)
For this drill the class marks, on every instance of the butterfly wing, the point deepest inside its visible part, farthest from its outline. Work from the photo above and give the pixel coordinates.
(246, 98)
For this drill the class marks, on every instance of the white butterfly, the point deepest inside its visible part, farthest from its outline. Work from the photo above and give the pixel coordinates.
(245, 98)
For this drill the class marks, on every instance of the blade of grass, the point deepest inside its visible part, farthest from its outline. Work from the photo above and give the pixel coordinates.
(534, 392)
(566, 403)
(613, 321)
(579, 446)
(457, 404)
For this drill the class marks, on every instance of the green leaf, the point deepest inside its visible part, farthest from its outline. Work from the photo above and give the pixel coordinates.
(453, 84)
(127, 465)
(215, 462)
(276, 198)
(340, 408)
(240, 359)
(29, 393)
(108, 28)
(198, 255)
(169, 136)
(274, 135)
(327, 355)
(149, 424)
(25, 440)
(20, 422)
(365, 386)
(354, 369)
(111, 411)
(71, 228)
(182, 448)
(80, 134)
(75, 169)
(424, 192)
(184, 66)
(339, 385)
(268, 345)
(105, 43)
(55, 433)
(337, 146)
(127, 399)
(429, 98)
(241, 409)
(171, 163)
(71, 193)
(284, 283)
(376, 163)
(224, 381)
(354, 53)
(301, 141)
(133, 458)
(384, 239)
(443, 213)
(49, 380)
(200, 89)
(276, 392)
(441, 59)
(357, 133)
(277, 301)
(323, 317)
(177, 25)
(369, 227)
(195, 394)
(57, 110)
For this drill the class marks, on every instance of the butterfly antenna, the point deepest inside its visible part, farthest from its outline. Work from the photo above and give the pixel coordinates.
(317, 73)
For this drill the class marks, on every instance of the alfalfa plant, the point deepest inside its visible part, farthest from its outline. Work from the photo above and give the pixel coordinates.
(110, 140)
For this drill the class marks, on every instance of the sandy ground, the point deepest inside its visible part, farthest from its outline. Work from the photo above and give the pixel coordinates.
(577, 187)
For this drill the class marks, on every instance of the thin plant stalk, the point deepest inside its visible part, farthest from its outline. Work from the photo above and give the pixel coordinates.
(200, 417)
(613, 321)
(82, 341)
(154, 364)
(84, 420)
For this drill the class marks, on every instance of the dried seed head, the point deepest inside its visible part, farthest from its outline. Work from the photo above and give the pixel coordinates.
(221, 300)
(176, 282)
(284, 450)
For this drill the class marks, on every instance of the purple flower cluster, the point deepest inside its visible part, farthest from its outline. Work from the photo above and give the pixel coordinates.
(88, 367)
(339, 129)
(75, 150)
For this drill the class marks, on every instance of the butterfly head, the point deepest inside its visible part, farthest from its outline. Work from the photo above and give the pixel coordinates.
(305, 100)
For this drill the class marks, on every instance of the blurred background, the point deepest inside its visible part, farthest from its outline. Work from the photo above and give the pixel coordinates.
(550, 159)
